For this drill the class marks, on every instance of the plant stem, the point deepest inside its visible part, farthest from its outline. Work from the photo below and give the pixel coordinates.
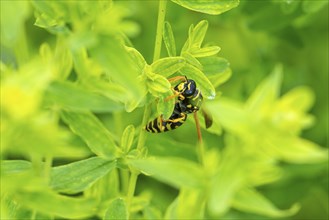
(147, 110)
(131, 189)
(142, 135)
(160, 24)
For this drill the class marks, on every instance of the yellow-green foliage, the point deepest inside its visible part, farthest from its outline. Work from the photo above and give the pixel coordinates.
(76, 77)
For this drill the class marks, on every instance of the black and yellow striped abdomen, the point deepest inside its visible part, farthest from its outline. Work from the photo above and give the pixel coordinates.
(159, 125)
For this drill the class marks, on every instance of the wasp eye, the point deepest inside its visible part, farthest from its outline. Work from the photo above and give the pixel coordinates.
(190, 88)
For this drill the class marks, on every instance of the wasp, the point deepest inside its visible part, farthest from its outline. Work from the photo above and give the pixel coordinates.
(189, 100)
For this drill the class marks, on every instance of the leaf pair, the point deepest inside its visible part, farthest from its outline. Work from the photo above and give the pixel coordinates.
(200, 61)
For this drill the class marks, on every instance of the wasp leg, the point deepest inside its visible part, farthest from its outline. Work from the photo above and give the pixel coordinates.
(176, 94)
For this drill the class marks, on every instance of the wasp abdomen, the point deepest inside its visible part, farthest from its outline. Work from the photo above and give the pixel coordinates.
(159, 125)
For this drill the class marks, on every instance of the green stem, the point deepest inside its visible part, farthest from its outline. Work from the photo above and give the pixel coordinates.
(131, 189)
(160, 24)
(147, 110)
(142, 134)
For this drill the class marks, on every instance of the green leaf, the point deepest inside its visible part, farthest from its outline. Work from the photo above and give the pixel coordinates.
(188, 43)
(160, 145)
(202, 82)
(115, 60)
(169, 40)
(214, 65)
(198, 34)
(166, 107)
(192, 60)
(117, 210)
(158, 84)
(176, 172)
(230, 115)
(112, 91)
(60, 61)
(300, 99)
(217, 69)
(205, 52)
(189, 204)
(52, 16)
(127, 138)
(79, 98)
(298, 150)
(92, 131)
(57, 205)
(168, 66)
(110, 179)
(78, 176)
(213, 7)
(249, 200)
(229, 178)
(266, 93)
(137, 58)
(14, 166)
(10, 209)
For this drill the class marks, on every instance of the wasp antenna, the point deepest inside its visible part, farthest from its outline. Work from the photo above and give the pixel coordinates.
(197, 124)
(177, 78)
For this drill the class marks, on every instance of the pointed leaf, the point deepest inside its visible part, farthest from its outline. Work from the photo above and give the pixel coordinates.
(92, 131)
(207, 89)
(57, 205)
(199, 32)
(169, 40)
(117, 210)
(168, 66)
(213, 7)
(71, 96)
(127, 137)
(206, 51)
(300, 99)
(78, 176)
(226, 182)
(14, 166)
(217, 69)
(158, 84)
(230, 115)
(298, 150)
(166, 107)
(188, 43)
(136, 57)
(191, 204)
(173, 171)
(192, 60)
(266, 93)
(249, 200)
(115, 59)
